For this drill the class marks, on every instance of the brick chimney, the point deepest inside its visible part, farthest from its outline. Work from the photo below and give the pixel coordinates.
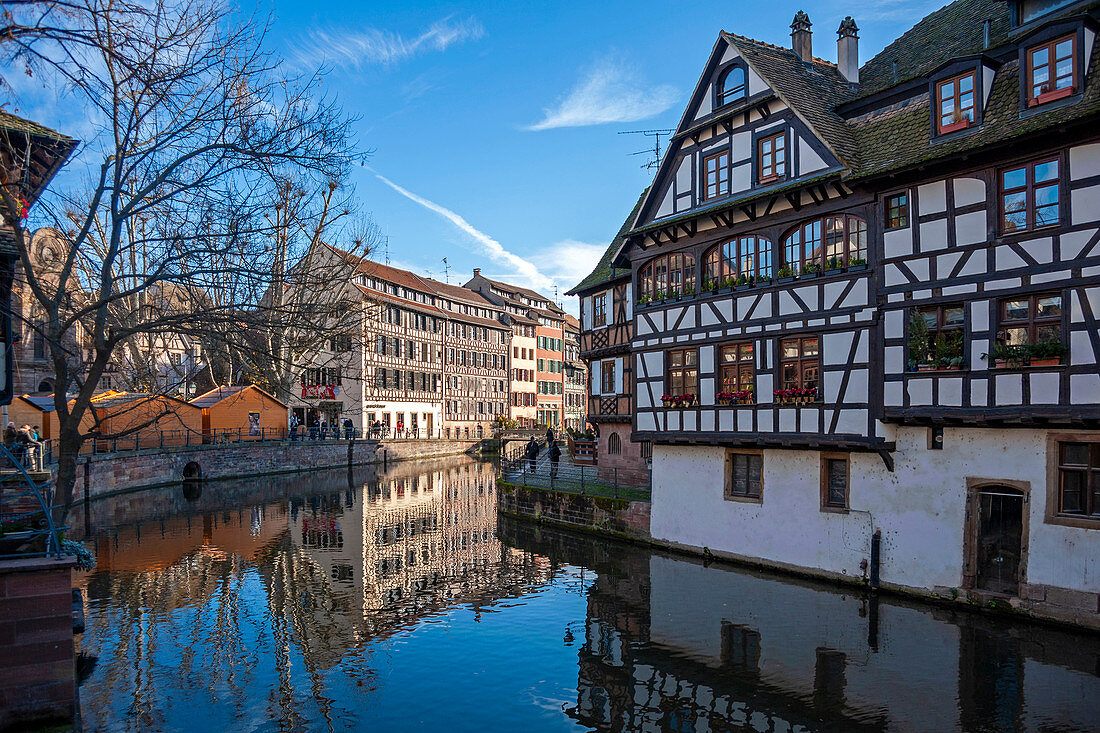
(477, 272)
(800, 36)
(847, 50)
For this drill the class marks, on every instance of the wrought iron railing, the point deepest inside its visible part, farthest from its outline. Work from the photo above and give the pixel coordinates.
(27, 526)
(541, 473)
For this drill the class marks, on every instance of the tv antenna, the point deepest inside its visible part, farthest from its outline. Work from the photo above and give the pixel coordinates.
(655, 151)
(446, 271)
(387, 250)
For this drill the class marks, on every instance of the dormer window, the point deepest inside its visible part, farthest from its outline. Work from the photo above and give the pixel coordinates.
(955, 100)
(1032, 9)
(1052, 70)
(731, 85)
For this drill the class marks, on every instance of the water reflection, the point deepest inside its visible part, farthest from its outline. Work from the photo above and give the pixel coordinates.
(331, 602)
(671, 644)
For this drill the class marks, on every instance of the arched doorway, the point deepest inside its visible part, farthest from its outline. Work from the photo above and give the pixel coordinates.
(997, 537)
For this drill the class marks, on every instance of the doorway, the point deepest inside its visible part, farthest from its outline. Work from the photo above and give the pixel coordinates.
(999, 539)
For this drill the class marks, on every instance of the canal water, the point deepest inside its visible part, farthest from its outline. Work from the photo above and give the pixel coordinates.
(397, 600)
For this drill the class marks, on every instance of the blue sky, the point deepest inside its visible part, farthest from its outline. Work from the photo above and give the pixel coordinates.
(494, 125)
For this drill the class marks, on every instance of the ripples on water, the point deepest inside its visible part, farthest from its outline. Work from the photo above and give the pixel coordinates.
(395, 602)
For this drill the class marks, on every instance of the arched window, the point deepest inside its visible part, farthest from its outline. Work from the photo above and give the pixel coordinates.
(826, 244)
(667, 276)
(745, 257)
(614, 445)
(731, 85)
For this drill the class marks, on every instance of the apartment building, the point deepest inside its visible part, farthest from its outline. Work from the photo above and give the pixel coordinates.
(548, 321)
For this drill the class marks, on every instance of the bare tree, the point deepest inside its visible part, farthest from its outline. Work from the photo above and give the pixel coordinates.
(171, 232)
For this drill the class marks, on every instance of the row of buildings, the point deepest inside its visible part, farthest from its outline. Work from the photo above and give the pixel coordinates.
(440, 360)
(858, 308)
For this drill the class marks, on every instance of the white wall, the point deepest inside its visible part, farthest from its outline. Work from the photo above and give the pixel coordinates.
(919, 508)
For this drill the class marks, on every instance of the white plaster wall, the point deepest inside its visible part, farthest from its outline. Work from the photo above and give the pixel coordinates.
(919, 508)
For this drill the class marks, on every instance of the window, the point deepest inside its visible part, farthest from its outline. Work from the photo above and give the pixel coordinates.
(771, 157)
(607, 377)
(1032, 9)
(897, 210)
(1030, 196)
(799, 362)
(936, 337)
(737, 368)
(955, 102)
(744, 259)
(731, 85)
(826, 244)
(716, 175)
(1079, 479)
(614, 444)
(1030, 329)
(683, 371)
(834, 482)
(1052, 70)
(667, 276)
(599, 310)
(746, 476)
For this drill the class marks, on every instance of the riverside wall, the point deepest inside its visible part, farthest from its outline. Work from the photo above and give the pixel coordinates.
(107, 474)
(619, 518)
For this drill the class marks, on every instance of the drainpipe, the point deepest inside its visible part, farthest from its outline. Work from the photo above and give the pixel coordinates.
(876, 552)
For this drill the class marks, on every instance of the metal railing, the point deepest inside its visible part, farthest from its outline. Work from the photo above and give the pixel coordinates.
(27, 526)
(565, 476)
(46, 455)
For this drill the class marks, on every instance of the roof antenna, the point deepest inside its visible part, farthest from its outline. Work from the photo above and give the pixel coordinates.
(656, 151)
(387, 250)
(446, 271)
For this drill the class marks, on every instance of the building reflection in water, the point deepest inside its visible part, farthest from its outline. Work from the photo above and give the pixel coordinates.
(673, 645)
(325, 601)
(334, 568)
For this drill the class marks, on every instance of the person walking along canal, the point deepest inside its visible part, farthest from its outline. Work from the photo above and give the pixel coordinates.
(555, 454)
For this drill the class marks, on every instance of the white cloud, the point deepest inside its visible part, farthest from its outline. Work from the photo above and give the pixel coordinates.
(610, 92)
(568, 261)
(530, 274)
(354, 49)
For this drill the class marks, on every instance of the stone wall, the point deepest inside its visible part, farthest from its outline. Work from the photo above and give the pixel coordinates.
(616, 517)
(36, 642)
(102, 475)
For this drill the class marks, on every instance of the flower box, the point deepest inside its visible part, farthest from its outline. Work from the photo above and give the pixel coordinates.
(857, 268)
(1051, 96)
(955, 126)
(1054, 361)
(723, 401)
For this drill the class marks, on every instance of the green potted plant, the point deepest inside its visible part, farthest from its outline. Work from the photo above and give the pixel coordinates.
(811, 269)
(785, 274)
(857, 263)
(709, 285)
(729, 283)
(920, 348)
(1046, 353)
(689, 289)
(947, 350)
(833, 263)
(659, 295)
(1006, 355)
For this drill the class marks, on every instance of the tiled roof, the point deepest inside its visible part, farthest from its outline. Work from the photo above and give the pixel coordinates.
(812, 90)
(8, 121)
(901, 138)
(224, 392)
(952, 31)
(604, 272)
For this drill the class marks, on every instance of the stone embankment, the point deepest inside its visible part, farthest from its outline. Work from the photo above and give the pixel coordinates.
(106, 474)
(621, 518)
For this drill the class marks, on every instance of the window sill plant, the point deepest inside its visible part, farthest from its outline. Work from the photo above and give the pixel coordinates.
(795, 396)
(810, 269)
(1043, 354)
(740, 397)
(678, 401)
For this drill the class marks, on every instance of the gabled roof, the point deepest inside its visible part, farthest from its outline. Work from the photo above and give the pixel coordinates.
(604, 271)
(224, 392)
(46, 149)
(811, 89)
(113, 399)
(517, 290)
(43, 402)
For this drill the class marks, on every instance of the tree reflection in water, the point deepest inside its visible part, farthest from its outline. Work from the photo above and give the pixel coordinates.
(330, 602)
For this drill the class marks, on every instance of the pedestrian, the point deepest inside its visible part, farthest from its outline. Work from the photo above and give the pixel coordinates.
(549, 436)
(400, 429)
(293, 426)
(555, 454)
(349, 429)
(24, 446)
(532, 452)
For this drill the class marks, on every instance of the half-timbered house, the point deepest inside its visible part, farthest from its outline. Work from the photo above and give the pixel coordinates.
(606, 308)
(865, 306)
